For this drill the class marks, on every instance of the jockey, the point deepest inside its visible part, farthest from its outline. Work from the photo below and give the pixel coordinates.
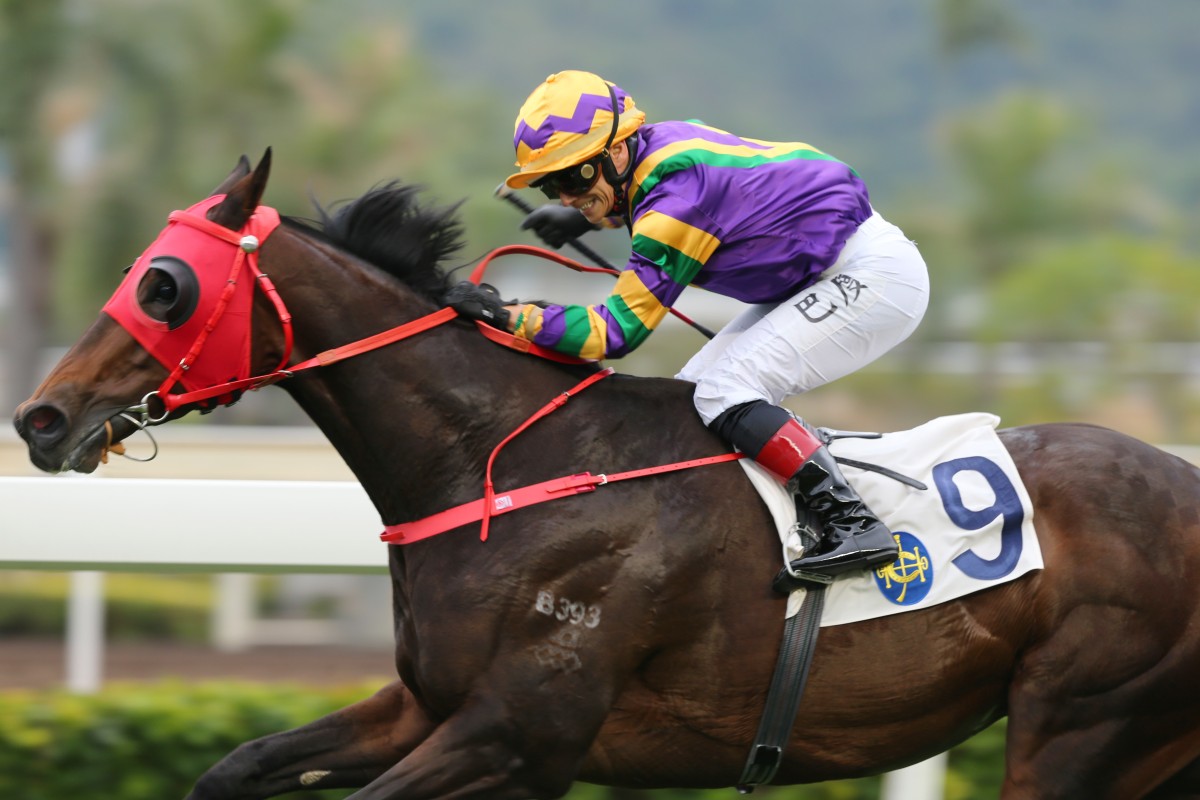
(782, 226)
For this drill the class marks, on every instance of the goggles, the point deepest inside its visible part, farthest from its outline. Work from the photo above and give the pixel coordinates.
(573, 180)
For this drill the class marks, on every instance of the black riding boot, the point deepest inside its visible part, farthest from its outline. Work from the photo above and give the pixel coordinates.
(853, 537)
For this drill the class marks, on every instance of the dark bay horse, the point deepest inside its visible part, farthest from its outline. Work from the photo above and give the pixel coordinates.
(628, 636)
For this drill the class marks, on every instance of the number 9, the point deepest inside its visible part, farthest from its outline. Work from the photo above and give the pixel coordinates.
(1007, 505)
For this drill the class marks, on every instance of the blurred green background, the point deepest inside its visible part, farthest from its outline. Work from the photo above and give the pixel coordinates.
(1043, 155)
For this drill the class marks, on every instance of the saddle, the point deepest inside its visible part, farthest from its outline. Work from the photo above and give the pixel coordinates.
(951, 494)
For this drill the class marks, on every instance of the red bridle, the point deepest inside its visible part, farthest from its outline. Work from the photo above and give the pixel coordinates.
(222, 370)
(207, 356)
(202, 245)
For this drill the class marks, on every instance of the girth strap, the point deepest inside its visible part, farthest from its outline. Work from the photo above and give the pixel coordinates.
(787, 687)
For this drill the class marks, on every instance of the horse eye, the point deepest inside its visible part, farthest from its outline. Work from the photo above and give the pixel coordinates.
(168, 292)
(157, 294)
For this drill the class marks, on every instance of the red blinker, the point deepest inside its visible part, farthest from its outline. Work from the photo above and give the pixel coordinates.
(226, 273)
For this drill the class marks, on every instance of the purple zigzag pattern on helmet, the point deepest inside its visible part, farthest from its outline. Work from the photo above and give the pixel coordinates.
(579, 122)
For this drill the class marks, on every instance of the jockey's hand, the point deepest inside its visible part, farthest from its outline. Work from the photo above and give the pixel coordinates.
(480, 302)
(556, 224)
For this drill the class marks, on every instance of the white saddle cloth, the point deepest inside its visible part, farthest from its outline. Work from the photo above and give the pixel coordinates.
(970, 530)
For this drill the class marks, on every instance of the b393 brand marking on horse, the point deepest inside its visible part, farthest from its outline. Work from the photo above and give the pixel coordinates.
(565, 610)
(559, 652)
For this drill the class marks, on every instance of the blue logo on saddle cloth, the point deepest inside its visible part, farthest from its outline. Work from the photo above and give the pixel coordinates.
(908, 579)
(970, 530)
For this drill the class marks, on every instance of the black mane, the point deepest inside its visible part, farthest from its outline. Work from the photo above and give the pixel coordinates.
(387, 227)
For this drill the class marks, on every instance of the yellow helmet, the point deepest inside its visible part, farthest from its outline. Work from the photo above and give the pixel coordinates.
(569, 118)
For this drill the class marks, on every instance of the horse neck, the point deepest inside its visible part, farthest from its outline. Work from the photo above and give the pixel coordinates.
(416, 420)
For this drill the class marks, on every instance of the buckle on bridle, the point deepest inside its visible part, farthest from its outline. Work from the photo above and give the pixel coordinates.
(142, 410)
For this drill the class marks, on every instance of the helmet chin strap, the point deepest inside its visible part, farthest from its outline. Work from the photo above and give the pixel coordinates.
(617, 180)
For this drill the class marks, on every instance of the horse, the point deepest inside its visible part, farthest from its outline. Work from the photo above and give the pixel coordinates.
(627, 636)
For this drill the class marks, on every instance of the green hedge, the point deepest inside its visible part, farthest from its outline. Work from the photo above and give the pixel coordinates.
(144, 742)
(151, 742)
(137, 606)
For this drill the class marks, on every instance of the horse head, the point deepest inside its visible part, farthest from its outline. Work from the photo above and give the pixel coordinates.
(196, 322)
(149, 339)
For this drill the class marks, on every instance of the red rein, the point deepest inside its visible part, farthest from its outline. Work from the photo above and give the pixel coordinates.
(180, 350)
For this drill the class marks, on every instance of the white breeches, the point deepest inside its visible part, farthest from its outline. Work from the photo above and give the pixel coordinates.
(870, 300)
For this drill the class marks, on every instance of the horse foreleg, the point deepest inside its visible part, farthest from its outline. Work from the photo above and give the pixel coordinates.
(485, 751)
(348, 748)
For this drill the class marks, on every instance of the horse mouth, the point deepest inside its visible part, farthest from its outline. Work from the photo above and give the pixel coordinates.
(84, 457)
(88, 453)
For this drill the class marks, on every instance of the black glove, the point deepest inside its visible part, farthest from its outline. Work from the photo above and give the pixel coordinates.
(480, 302)
(556, 224)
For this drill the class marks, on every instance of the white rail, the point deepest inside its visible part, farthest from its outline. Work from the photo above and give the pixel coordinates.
(164, 525)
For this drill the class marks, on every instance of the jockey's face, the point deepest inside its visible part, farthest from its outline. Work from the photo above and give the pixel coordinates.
(597, 202)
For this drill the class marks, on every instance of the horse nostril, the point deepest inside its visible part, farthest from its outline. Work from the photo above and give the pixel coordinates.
(44, 423)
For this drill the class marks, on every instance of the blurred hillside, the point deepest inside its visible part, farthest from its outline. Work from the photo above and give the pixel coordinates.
(869, 81)
(1043, 156)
